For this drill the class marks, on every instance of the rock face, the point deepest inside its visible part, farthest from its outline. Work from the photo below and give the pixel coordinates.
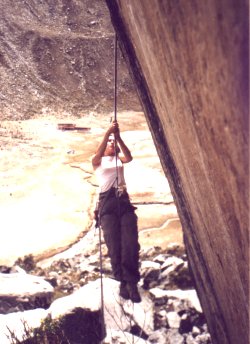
(190, 64)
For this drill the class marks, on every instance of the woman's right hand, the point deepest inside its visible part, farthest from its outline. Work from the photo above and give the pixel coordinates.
(114, 128)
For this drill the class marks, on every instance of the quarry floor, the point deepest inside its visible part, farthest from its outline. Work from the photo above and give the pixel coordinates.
(48, 190)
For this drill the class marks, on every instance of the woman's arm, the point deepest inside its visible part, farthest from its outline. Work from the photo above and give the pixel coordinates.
(126, 154)
(97, 157)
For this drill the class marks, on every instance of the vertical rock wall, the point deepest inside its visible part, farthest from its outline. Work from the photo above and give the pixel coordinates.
(189, 60)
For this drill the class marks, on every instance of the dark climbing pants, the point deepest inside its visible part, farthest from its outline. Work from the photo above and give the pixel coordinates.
(119, 224)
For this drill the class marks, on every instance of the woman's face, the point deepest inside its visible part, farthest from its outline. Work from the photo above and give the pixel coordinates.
(110, 148)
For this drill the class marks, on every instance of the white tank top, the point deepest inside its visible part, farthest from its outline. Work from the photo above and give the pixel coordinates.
(106, 173)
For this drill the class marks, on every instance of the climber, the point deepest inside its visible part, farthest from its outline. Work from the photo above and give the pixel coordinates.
(116, 213)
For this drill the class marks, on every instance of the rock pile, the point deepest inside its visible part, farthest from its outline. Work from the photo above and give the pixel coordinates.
(170, 311)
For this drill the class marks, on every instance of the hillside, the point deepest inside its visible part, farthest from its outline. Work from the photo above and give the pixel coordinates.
(57, 57)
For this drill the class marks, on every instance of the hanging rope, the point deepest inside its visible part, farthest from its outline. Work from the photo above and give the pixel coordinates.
(115, 106)
(103, 329)
(116, 184)
(115, 79)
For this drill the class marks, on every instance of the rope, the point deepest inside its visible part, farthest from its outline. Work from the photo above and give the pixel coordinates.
(103, 329)
(115, 117)
(116, 182)
(115, 78)
(115, 105)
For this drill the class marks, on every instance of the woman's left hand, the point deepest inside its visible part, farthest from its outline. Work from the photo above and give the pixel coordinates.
(117, 131)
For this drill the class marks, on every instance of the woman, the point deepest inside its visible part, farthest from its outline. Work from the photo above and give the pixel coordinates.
(116, 214)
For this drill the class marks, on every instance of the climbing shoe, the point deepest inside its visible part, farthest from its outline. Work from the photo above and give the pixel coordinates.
(133, 292)
(124, 291)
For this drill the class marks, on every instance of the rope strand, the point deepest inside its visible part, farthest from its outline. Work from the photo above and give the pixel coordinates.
(116, 182)
(102, 296)
(115, 104)
(115, 78)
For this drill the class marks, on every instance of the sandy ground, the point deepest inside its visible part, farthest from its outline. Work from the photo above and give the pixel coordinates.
(47, 188)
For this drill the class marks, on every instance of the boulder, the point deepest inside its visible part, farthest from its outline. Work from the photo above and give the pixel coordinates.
(160, 258)
(160, 320)
(191, 321)
(20, 291)
(189, 295)
(173, 319)
(159, 296)
(158, 336)
(122, 337)
(174, 337)
(121, 314)
(82, 325)
(199, 339)
(175, 272)
(86, 302)
(150, 271)
(173, 262)
(19, 321)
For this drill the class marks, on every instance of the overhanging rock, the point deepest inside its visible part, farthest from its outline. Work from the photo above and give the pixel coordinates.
(189, 60)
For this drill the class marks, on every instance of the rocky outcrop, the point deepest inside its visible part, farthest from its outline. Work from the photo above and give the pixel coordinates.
(165, 315)
(190, 64)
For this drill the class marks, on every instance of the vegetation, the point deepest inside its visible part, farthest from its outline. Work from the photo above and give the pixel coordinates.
(49, 332)
(27, 263)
